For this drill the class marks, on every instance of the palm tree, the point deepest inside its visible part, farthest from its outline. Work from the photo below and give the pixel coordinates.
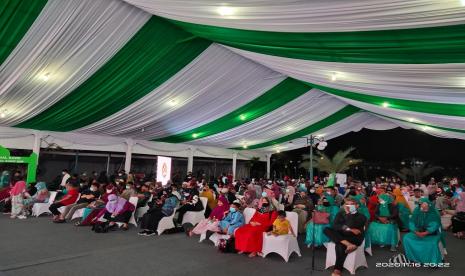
(418, 173)
(340, 162)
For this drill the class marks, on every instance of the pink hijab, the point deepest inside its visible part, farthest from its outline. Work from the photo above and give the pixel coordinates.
(18, 188)
(218, 211)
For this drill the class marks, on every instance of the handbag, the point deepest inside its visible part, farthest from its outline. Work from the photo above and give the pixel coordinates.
(227, 245)
(320, 217)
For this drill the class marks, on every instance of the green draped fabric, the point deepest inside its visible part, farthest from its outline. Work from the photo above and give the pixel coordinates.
(421, 220)
(422, 45)
(155, 53)
(330, 120)
(16, 17)
(408, 105)
(286, 91)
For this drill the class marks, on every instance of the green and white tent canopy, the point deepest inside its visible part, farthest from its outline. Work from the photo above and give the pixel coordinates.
(247, 74)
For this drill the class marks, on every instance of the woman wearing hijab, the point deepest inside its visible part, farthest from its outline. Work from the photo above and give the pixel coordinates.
(94, 208)
(384, 230)
(421, 243)
(41, 195)
(211, 201)
(211, 223)
(458, 220)
(250, 197)
(249, 238)
(17, 194)
(116, 210)
(403, 207)
(315, 234)
(163, 207)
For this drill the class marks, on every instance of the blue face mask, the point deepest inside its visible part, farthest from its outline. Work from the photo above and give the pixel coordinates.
(264, 194)
(232, 210)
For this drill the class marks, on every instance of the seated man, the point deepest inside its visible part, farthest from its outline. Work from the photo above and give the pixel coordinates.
(70, 198)
(346, 233)
(421, 244)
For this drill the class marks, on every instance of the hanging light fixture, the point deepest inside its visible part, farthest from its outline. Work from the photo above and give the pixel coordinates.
(333, 76)
(225, 10)
(45, 77)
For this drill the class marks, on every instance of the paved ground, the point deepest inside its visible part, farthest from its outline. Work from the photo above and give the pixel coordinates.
(38, 247)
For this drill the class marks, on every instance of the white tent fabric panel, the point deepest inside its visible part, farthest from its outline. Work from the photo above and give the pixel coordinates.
(429, 130)
(67, 43)
(355, 123)
(415, 117)
(421, 82)
(310, 15)
(303, 111)
(217, 82)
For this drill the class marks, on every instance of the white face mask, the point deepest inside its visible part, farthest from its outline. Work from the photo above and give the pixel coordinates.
(109, 191)
(93, 189)
(120, 174)
(128, 187)
(312, 191)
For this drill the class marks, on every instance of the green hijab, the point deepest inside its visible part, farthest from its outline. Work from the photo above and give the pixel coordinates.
(423, 219)
(384, 206)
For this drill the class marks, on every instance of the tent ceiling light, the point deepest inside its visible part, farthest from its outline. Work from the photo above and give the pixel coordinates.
(225, 11)
(411, 120)
(462, 2)
(195, 135)
(242, 117)
(45, 77)
(244, 146)
(385, 104)
(333, 77)
(3, 113)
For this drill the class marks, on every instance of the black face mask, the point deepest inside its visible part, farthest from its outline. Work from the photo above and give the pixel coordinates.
(326, 204)
(265, 204)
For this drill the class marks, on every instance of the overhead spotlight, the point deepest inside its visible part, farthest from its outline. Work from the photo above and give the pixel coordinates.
(385, 104)
(242, 117)
(425, 128)
(45, 77)
(225, 11)
(462, 2)
(244, 146)
(333, 77)
(411, 120)
(278, 151)
(173, 102)
(2, 114)
(289, 128)
(195, 135)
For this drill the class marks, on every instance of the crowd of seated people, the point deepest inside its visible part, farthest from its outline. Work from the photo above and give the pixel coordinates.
(375, 213)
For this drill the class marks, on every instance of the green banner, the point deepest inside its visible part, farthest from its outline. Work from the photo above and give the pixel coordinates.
(30, 160)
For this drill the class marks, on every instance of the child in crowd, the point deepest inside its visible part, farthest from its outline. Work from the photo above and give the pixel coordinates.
(281, 226)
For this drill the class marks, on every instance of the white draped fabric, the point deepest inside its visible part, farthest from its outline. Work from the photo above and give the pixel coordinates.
(421, 82)
(429, 130)
(281, 122)
(217, 82)
(67, 43)
(415, 117)
(355, 123)
(310, 15)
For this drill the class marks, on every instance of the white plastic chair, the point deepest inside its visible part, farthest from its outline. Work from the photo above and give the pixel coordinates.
(284, 245)
(78, 213)
(216, 237)
(195, 217)
(248, 214)
(166, 223)
(353, 261)
(133, 200)
(42, 208)
(142, 210)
